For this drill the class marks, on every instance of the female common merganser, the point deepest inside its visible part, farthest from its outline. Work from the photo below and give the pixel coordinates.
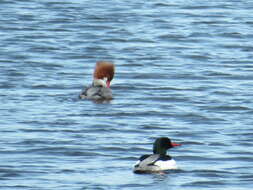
(158, 161)
(100, 88)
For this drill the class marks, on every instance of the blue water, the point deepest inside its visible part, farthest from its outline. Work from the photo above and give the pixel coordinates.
(183, 70)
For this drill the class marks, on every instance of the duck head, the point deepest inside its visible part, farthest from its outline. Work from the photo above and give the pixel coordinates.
(161, 145)
(103, 73)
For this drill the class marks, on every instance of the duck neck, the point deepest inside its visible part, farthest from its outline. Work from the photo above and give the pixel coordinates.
(99, 83)
(159, 150)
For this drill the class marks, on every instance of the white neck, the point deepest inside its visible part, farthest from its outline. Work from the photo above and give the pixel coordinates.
(99, 82)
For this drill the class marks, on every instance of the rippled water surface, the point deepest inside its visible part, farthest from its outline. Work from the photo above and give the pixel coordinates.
(183, 70)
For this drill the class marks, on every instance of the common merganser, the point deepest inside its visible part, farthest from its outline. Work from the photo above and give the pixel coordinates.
(100, 88)
(158, 161)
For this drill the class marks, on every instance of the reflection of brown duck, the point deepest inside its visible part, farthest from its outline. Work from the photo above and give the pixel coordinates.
(100, 88)
(158, 161)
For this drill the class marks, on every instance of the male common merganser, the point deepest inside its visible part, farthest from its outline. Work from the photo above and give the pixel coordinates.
(158, 161)
(100, 88)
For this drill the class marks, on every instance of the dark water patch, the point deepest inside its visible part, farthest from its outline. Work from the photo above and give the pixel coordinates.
(164, 4)
(168, 89)
(153, 127)
(43, 49)
(113, 149)
(170, 99)
(133, 186)
(211, 23)
(217, 144)
(34, 130)
(10, 174)
(116, 40)
(130, 158)
(204, 7)
(189, 76)
(217, 74)
(241, 159)
(196, 118)
(229, 108)
(240, 153)
(56, 151)
(15, 73)
(198, 57)
(212, 171)
(6, 85)
(235, 35)
(7, 2)
(237, 64)
(67, 171)
(199, 35)
(189, 135)
(33, 142)
(9, 187)
(172, 37)
(41, 65)
(195, 158)
(222, 93)
(242, 134)
(109, 130)
(213, 174)
(246, 177)
(48, 87)
(41, 124)
(150, 76)
(237, 46)
(72, 56)
(205, 184)
(126, 114)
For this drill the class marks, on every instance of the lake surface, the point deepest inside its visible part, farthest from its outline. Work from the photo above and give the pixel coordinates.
(183, 70)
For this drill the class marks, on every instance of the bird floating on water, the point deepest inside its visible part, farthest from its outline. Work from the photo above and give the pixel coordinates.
(100, 87)
(158, 161)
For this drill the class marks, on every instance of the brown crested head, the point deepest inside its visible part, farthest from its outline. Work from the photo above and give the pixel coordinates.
(104, 69)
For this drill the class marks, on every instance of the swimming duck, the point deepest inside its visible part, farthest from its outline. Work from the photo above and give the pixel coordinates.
(100, 87)
(158, 161)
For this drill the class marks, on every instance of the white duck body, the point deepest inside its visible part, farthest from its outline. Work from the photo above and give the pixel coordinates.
(154, 163)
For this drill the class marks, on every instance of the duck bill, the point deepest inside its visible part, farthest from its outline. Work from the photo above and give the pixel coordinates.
(175, 144)
(108, 84)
